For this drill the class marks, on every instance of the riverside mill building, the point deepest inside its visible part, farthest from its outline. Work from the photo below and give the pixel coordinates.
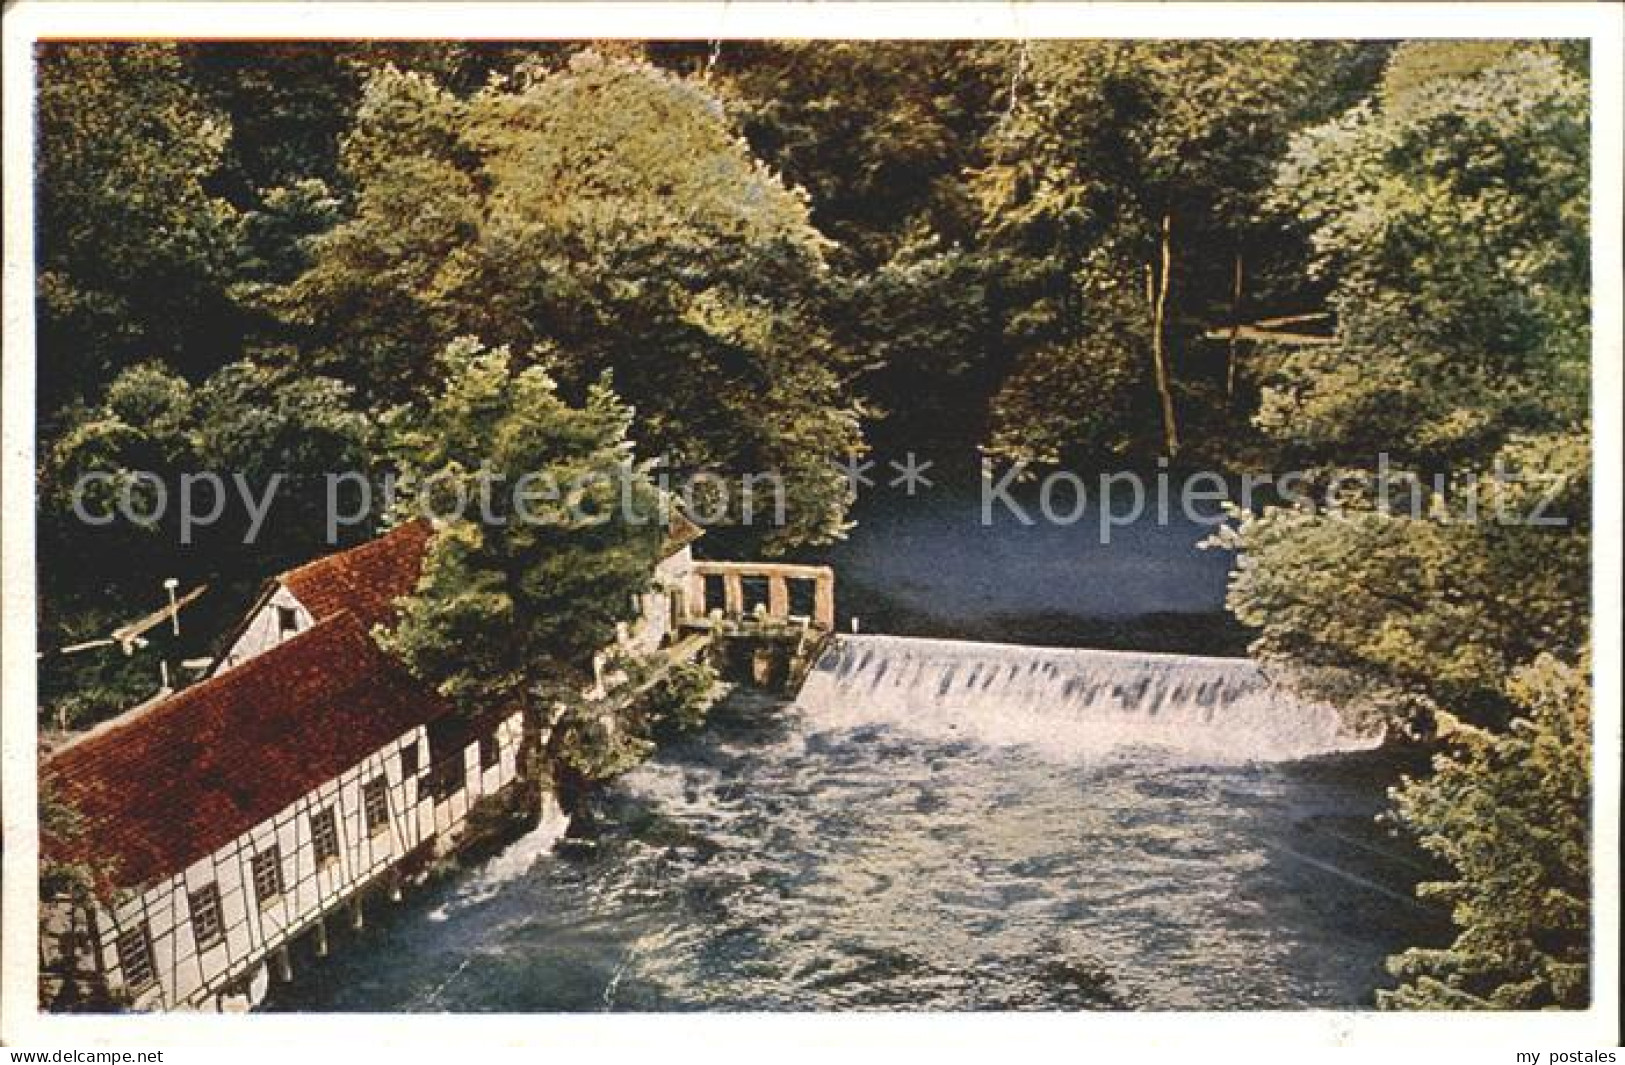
(308, 773)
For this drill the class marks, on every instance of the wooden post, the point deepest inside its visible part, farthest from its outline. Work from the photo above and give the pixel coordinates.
(321, 937)
(733, 594)
(696, 606)
(824, 600)
(358, 916)
(282, 967)
(778, 596)
(394, 886)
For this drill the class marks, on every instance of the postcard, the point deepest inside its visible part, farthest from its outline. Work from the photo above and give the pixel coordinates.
(643, 517)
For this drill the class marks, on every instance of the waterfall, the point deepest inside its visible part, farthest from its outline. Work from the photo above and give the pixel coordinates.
(1072, 701)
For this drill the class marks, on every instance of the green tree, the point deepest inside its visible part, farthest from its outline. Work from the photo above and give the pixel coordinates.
(287, 103)
(1453, 221)
(272, 430)
(1453, 218)
(1420, 604)
(884, 172)
(1071, 393)
(928, 323)
(878, 165)
(609, 210)
(562, 529)
(1510, 812)
(275, 433)
(1450, 216)
(134, 248)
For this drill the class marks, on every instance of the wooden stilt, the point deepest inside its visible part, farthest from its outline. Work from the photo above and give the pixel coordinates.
(321, 937)
(394, 886)
(282, 965)
(358, 916)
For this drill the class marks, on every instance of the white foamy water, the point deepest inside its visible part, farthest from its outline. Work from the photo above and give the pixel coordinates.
(513, 862)
(778, 861)
(1071, 702)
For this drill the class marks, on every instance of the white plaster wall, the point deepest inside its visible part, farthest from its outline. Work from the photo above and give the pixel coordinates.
(654, 622)
(675, 568)
(261, 633)
(189, 978)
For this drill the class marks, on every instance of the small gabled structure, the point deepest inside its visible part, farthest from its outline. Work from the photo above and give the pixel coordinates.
(364, 581)
(243, 812)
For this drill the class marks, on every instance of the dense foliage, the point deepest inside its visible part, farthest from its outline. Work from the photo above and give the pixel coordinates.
(1510, 811)
(135, 249)
(523, 588)
(1462, 361)
(606, 212)
(1126, 195)
(451, 259)
(552, 529)
(1450, 214)
(250, 447)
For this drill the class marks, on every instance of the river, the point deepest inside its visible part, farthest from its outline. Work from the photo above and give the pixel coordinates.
(832, 854)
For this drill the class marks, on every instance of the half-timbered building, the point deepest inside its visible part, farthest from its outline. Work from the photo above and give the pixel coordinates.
(267, 800)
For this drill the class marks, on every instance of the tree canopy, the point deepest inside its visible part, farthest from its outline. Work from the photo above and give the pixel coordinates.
(135, 249)
(1462, 360)
(1450, 215)
(607, 212)
(550, 529)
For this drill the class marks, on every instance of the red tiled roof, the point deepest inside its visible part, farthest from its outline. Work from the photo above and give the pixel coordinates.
(364, 580)
(165, 786)
(173, 783)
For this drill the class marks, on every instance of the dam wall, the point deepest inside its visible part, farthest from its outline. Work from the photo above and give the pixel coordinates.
(1076, 700)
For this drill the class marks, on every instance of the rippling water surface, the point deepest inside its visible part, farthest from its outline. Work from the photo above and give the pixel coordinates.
(782, 861)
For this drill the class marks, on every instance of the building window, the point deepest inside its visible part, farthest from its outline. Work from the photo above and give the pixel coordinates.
(287, 621)
(324, 835)
(205, 906)
(448, 751)
(409, 760)
(267, 867)
(490, 750)
(375, 803)
(135, 958)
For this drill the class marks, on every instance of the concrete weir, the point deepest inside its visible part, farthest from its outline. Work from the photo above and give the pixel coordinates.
(1078, 700)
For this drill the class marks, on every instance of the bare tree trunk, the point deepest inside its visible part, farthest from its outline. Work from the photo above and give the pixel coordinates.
(1235, 329)
(1159, 361)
